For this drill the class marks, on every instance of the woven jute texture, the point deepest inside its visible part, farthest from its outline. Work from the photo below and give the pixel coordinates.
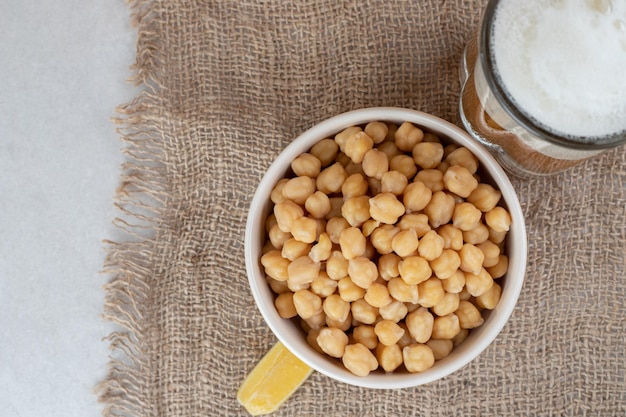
(226, 85)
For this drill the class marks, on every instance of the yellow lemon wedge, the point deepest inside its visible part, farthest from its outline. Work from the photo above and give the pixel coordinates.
(272, 381)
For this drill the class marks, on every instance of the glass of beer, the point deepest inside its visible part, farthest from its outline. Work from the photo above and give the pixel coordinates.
(544, 82)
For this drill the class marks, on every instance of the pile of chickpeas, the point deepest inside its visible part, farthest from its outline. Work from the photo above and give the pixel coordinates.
(386, 247)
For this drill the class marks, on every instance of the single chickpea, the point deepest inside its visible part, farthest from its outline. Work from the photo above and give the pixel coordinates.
(390, 149)
(382, 237)
(322, 249)
(349, 291)
(303, 270)
(357, 146)
(471, 258)
(284, 305)
(311, 339)
(278, 237)
(307, 304)
(484, 197)
(449, 304)
(306, 165)
(478, 284)
(377, 295)
(388, 332)
(460, 181)
(335, 227)
(406, 338)
(430, 246)
(286, 213)
(427, 154)
(490, 299)
(318, 205)
(430, 292)
(431, 137)
(363, 312)
(414, 270)
(375, 186)
(416, 196)
(448, 149)
(407, 136)
(362, 271)
(343, 159)
(337, 266)
(393, 182)
(331, 178)
(377, 131)
(369, 226)
(491, 252)
(452, 237)
(415, 221)
(420, 324)
(469, 316)
(298, 189)
(359, 360)
(325, 150)
(279, 287)
(402, 291)
(464, 294)
(335, 207)
(342, 137)
(394, 311)
(375, 163)
(440, 347)
(496, 237)
(352, 243)
(440, 209)
(275, 265)
(418, 357)
(443, 167)
(277, 192)
(356, 210)
(446, 327)
(432, 178)
(463, 157)
(405, 242)
(391, 132)
(446, 265)
(270, 221)
(316, 321)
(459, 338)
(366, 336)
(477, 235)
(268, 247)
(403, 164)
(323, 285)
(388, 266)
(498, 219)
(389, 357)
(466, 216)
(335, 307)
(354, 186)
(455, 283)
(499, 269)
(385, 208)
(352, 168)
(304, 229)
(293, 249)
(332, 341)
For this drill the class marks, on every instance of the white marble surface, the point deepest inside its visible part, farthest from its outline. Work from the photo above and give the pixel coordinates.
(63, 69)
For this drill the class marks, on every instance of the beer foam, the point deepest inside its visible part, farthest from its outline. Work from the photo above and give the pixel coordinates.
(564, 63)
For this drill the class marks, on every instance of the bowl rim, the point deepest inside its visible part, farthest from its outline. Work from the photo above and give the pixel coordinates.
(461, 355)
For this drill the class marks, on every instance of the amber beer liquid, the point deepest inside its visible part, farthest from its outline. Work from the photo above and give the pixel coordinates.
(544, 82)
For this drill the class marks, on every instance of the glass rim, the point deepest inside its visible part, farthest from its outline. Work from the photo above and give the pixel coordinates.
(511, 108)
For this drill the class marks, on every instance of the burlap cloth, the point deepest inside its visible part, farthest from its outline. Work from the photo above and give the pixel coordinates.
(226, 86)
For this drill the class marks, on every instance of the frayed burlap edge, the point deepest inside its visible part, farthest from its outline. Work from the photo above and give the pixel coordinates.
(139, 200)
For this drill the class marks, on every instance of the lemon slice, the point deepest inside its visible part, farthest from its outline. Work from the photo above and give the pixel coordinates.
(272, 381)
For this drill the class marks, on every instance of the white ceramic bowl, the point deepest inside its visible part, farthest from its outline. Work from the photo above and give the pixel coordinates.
(293, 337)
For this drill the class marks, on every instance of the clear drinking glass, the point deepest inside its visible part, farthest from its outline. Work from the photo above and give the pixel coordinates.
(521, 144)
